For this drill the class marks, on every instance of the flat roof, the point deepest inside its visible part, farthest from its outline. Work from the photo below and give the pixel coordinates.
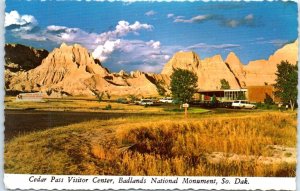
(227, 90)
(210, 91)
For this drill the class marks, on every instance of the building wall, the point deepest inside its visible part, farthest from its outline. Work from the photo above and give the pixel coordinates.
(258, 93)
(36, 97)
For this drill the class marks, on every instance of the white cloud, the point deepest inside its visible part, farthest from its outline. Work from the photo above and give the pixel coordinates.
(212, 46)
(247, 20)
(232, 23)
(150, 68)
(197, 18)
(122, 29)
(102, 45)
(103, 51)
(33, 37)
(145, 56)
(179, 17)
(275, 42)
(249, 17)
(154, 44)
(170, 15)
(61, 34)
(19, 22)
(167, 57)
(56, 28)
(150, 13)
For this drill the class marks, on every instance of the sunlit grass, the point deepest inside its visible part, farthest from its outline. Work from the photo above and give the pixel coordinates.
(164, 145)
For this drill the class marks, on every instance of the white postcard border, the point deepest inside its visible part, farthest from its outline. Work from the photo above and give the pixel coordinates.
(21, 181)
(72, 182)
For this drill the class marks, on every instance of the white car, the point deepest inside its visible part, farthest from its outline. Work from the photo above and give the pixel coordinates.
(166, 100)
(146, 102)
(243, 104)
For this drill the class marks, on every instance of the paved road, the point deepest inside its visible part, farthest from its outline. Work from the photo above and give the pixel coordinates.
(18, 122)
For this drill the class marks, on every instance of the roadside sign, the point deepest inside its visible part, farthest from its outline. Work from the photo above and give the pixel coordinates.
(185, 105)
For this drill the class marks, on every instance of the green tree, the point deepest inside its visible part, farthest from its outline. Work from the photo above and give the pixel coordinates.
(183, 85)
(268, 100)
(160, 89)
(241, 96)
(214, 101)
(286, 83)
(224, 84)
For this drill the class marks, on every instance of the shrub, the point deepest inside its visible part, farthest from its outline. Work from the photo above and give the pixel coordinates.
(214, 101)
(122, 100)
(132, 98)
(260, 105)
(108, 107)
(268, 100)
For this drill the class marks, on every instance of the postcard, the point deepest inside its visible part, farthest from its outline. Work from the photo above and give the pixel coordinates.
(150, 95)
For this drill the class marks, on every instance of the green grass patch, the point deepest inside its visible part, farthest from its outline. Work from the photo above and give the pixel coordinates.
(190, 110)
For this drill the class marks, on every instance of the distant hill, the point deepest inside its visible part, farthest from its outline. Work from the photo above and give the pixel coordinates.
(23, 58)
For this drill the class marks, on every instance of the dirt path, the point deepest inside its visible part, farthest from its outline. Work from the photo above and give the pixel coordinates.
(278, 154)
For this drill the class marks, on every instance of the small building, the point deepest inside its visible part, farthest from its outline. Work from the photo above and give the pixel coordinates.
(223, 95)
(34, 97)
(253, 94)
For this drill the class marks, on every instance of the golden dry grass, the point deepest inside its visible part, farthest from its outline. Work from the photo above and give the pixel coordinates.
(168, 145)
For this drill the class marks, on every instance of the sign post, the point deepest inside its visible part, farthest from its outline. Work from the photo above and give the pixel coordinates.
(185, 105)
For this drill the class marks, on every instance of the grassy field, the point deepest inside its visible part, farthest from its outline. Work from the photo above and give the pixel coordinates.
(255, 143)
(92, 105)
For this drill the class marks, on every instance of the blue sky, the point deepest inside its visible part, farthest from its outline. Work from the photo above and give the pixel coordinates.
(145, 35)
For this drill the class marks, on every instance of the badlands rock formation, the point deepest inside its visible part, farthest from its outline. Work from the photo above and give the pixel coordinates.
(261, 72)
(211, 70)
(23, 58)
(19, 58)
(72, 70)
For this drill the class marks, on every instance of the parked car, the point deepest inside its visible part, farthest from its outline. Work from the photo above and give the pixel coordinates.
(146, 102)
(243, 104)
(166, 100)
